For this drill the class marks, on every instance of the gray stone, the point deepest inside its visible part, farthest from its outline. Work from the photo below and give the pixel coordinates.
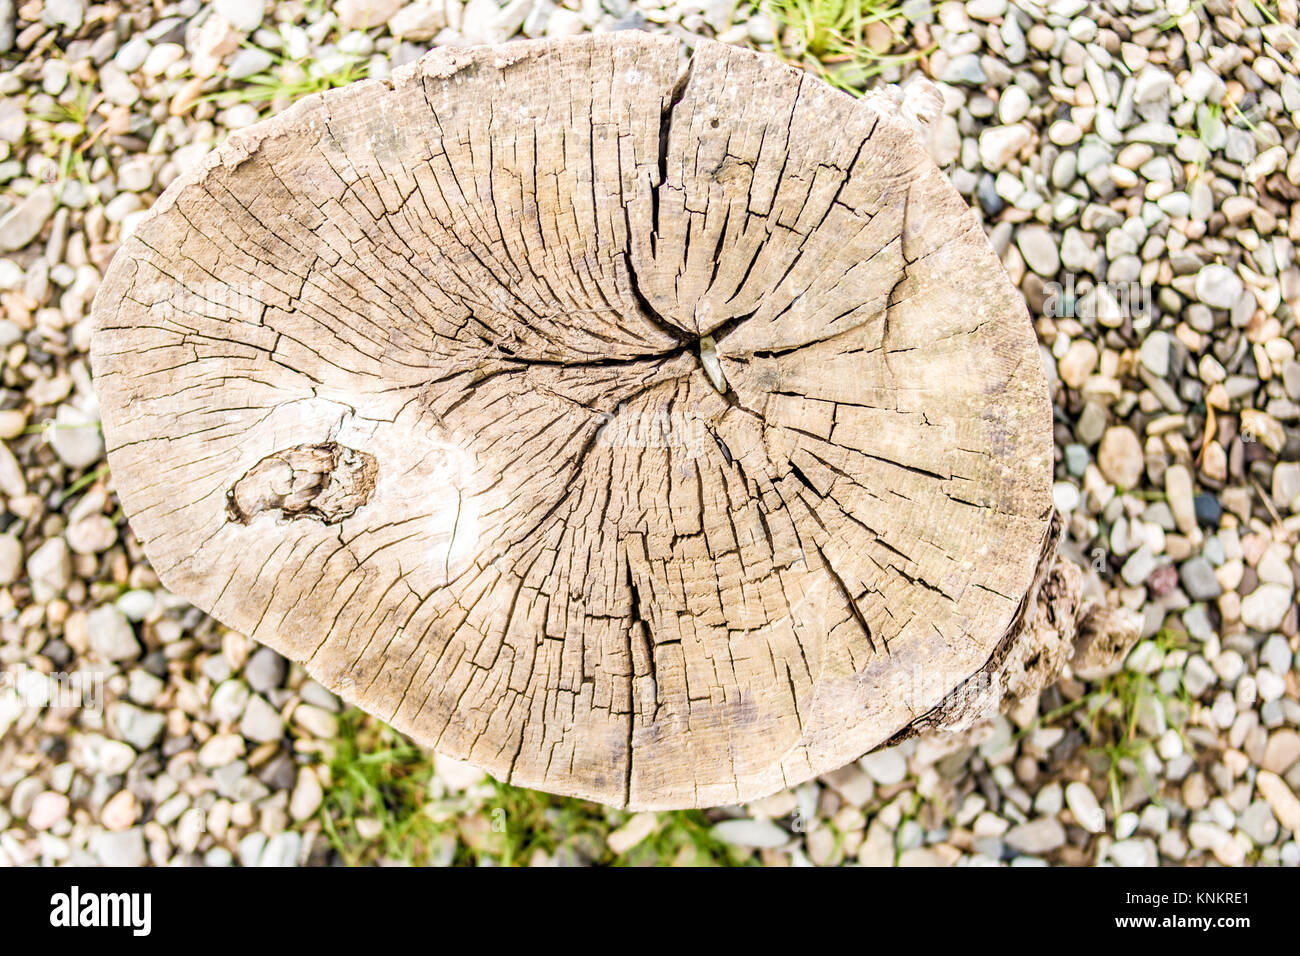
(750, 833)
(1036, 837)
(11, 559)
(265, 670)
(1197, 576)
(261, 722)
(1264, 608)
(111, 636)
(1139, 851)
(1218, 286)
(23, 223)
(1039, 249)
(120, 849)
(138, 727)
(50, 569)
(1154, 354)
(249, 61)
(281, 850)
(244, 15)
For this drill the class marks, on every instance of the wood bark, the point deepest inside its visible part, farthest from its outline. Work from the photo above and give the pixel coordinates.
(654, 434)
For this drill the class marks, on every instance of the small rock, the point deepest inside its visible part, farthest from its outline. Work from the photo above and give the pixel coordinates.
(22, 224)
(281, 850)
(261, 721)
(1281, 799)
(417, 21)
(120, 812)
(1154, 354)
(998, 145)
(220, 750)
(1134, 852)
(1264, 608)
(1039, 249)
(1083, 804)
(265, 671)
(246, 15)
(1197, 576)
(307, 795)
(1120, 457)
(1282, 751)
(47, 809)
(750, 833)
(50, 569)
(640, 826)
(111, 636)
(11, 559)
(1078, 362)
(120, 849)
(1013, 105)
(885, 767)
(76, 438)
(316, 721)
(1036, 837)
(1218, 286)
(138, 727)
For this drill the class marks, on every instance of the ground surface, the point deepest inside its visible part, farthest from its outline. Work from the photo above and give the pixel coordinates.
(1135, 164)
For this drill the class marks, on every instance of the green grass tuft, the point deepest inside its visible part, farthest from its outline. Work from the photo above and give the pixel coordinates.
(847, 42)
(384, 804)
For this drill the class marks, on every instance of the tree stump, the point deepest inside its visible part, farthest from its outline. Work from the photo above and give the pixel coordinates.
(663, 437)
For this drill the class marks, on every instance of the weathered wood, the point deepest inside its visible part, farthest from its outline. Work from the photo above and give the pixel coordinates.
(408, 384)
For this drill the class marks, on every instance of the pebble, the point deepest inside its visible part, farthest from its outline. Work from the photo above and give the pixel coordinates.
(111, 635)
(49, 568)
(307, 795)
(750, 833)
(1083, 804)
(120, 812)
(316, 721)
(1120, 457)
(1198, 580)
(1218, 286)
(1039, 249)
(140, 728)
(1282, 751)
(23, 223)
(246, 15)
(885, 767)
(1001, 144)
(1134, 852)
(1078, 362)
(221, 750)
(76, 438)
(281, 850)
(11, 559)
(265, 671)
(1037, 837)
(261, 722)
(1264, 608)
(48, 809)
(120, 849)
(1013, 105)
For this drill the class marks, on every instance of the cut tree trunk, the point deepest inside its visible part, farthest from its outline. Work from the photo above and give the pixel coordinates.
(654, 435)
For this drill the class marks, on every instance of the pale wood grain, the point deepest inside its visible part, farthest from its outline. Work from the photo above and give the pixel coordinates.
(556, 549)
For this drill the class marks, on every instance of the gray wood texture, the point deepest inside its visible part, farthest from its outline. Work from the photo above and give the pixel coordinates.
(406, 383)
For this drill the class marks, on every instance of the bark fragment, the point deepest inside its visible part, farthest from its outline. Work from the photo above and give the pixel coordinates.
(325, 482)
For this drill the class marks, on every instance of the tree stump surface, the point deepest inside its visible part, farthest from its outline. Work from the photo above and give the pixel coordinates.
(662, 437)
